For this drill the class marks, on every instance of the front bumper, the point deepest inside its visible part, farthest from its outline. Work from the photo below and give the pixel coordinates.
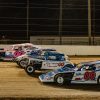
(44, 79)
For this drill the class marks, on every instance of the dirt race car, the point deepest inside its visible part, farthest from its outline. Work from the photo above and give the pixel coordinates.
(12, 51)
(88, 72)
(50, 60)
(32, 53)
(22, 60)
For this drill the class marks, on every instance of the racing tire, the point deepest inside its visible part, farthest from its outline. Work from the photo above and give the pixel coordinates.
(98, 80)
(23, 63)
(30, 70)
(59, 79)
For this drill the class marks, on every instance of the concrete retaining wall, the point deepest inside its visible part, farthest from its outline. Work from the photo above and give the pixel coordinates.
(76, 50)
(72, 49)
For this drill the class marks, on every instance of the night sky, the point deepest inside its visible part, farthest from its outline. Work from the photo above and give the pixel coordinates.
(44, 18)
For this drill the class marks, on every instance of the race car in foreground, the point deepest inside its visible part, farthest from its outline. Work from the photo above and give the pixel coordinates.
(50, 60)
(87, 72)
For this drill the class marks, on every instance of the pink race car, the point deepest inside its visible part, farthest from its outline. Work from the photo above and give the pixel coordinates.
(12, 51)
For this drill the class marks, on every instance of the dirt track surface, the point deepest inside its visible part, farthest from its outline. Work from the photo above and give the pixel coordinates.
(14, 82)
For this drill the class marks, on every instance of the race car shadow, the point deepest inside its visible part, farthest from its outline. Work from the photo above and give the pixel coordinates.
(36, 74)
(85, 87)
(18, 66)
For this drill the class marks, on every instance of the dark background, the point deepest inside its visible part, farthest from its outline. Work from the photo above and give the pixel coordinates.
(44, 18)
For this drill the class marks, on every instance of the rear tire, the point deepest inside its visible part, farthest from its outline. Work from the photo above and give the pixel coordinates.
(30, 70)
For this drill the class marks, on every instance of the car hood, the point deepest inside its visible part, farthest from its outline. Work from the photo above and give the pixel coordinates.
(60, 70)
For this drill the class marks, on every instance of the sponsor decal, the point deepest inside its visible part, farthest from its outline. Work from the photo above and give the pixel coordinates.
(61, 64)
(54, 64)
(50, 65)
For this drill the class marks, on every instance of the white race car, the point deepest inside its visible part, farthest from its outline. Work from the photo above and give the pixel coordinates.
(22, 60)
(50, 60)
(84, 73)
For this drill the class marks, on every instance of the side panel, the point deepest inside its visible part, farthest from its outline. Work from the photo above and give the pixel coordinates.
(84, 77)
(68, 76)
(97, 74)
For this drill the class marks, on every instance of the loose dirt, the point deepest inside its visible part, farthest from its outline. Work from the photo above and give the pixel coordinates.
(15, 83)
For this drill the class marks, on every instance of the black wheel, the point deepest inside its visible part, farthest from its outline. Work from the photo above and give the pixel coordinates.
(23, 63)
(59, 79)
(30, 69)
(98, 80)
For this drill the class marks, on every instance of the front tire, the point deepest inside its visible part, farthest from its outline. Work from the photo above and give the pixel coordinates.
(59, 79)
(30, 70)
(23, 63)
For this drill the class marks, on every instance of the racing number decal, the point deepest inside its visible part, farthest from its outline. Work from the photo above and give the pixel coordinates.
(86, 76)
(89, 75)
(54, 64)
(18, 53)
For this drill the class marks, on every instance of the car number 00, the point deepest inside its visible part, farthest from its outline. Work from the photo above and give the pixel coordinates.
(18, 53)
(89, 75)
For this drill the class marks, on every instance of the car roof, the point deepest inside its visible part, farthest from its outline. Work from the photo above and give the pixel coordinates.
(54, 53)
(48, 49)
